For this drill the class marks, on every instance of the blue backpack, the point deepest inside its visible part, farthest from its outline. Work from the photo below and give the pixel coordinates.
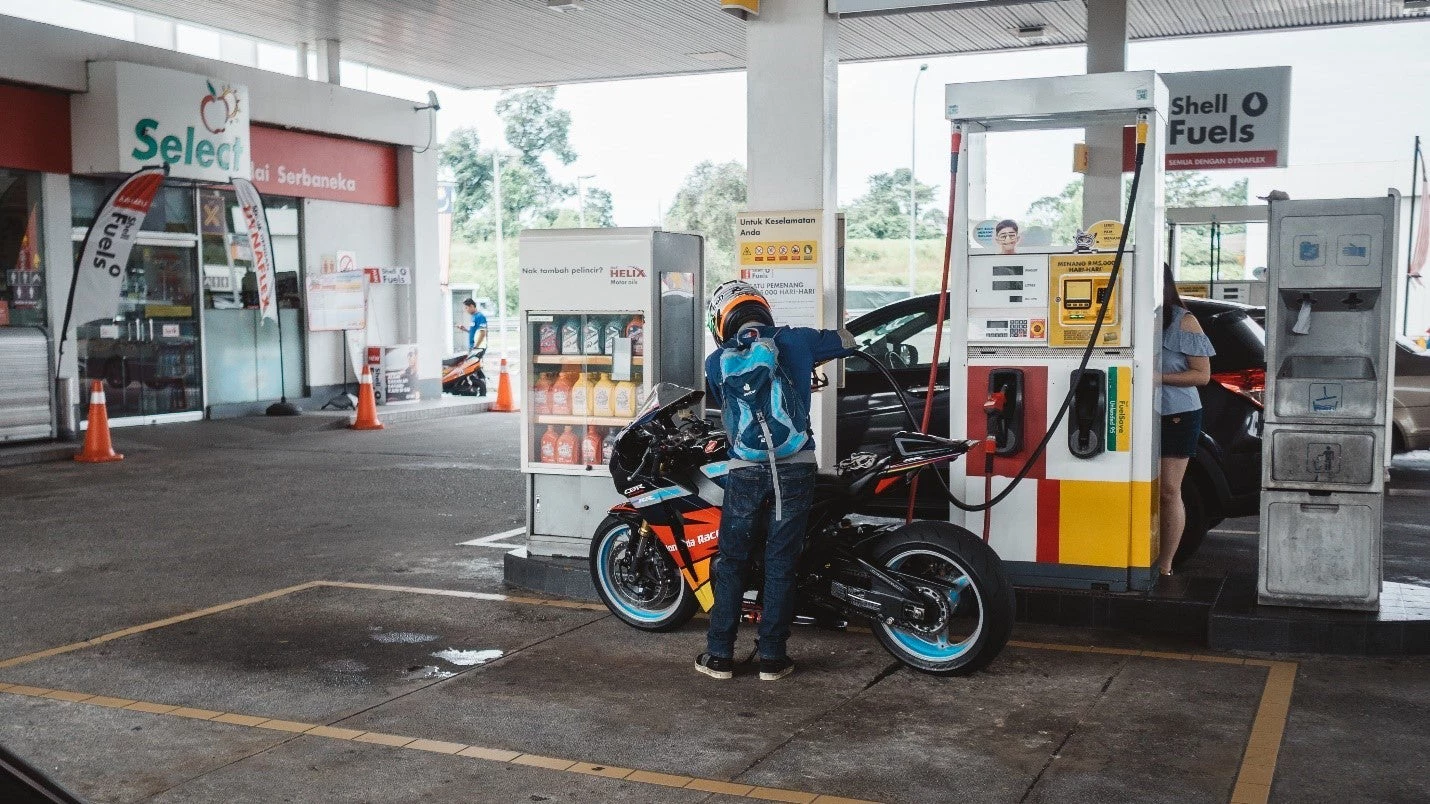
(763, 418)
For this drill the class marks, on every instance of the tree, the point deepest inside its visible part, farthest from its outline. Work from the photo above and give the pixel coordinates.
(1062, 213)
(538, 132)
(882, 213)
(706, 204)
(471, 170)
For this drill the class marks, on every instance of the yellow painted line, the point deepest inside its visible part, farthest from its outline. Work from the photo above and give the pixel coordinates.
(30, 657)
(441, 747)
(1258, 763)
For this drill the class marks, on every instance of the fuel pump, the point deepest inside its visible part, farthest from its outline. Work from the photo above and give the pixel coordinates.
(1054, 348)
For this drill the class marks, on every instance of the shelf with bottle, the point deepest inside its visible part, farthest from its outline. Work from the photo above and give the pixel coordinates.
(568, 446)
(599, 421)
(577, 360)
(585, 337)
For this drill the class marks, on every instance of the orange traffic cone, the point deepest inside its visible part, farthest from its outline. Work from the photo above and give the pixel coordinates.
(504, 403)
(97, 447)
(367, 404)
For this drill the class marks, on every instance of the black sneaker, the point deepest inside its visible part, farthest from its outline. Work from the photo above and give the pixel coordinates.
(715, 666)
(775, 669)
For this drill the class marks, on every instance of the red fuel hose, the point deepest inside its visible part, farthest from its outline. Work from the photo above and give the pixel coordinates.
(955, 146)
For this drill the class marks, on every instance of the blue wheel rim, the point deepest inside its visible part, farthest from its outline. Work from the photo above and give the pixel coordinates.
(938, 648)
(604, 560)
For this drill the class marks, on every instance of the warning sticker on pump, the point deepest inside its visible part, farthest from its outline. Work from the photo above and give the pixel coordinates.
(1119, 409)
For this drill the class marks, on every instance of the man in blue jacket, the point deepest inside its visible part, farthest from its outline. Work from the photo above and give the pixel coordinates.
(740, 313)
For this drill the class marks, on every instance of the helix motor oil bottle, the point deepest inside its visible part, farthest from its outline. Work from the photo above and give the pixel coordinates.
(609, 333)
(561, 395)
(548, 340)
(571, 336)
(568, 448)
(635, 330)
(624, 399)
(608, 444)
(581, 396)
(602, 403)
(591, 335)
(541, 394)
(591, 447)
(548, 445)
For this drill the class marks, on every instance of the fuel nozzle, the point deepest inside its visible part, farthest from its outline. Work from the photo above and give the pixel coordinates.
(995, 408)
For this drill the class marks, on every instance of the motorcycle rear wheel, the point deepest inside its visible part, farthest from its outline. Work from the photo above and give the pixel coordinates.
(967, 584)
(652, 596)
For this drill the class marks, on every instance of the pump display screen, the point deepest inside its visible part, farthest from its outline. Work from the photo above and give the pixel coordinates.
(1007, 270)
(1007, 284)
(1077, 294)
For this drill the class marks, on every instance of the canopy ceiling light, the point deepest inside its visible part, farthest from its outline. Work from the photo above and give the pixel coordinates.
(564, 6)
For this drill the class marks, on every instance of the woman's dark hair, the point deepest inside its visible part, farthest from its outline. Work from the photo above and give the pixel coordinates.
(1170, 297)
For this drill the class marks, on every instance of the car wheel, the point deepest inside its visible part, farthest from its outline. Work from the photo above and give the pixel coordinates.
(1198, 523)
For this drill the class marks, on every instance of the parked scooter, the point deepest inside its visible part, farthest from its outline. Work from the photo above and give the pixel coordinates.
(462, 374)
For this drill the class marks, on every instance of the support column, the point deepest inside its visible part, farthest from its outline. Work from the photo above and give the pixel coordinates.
(329, 61)
(418, 319)
(792, 57)
(1106, 53)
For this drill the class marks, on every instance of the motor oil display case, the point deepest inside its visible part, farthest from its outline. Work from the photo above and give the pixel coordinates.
(606, 314)
(1332, 273)
(1085, 516)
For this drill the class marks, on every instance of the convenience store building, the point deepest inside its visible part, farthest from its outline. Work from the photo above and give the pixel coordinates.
(341, 171)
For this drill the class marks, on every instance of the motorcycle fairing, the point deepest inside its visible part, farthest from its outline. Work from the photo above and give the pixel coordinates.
(692, 537)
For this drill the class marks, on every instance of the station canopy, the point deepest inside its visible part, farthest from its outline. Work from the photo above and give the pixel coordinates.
(475, 44)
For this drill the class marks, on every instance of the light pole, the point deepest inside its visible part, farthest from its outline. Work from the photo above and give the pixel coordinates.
(497, 157)
(581, 197)
(913, 177)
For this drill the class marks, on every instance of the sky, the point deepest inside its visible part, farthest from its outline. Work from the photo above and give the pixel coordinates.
(1353, 120)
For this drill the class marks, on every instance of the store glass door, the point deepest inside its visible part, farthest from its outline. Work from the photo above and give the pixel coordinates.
(148, 357)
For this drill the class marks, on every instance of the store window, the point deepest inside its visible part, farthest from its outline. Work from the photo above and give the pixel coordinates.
(22, 292)
(173, 210)
(242, 350)
(149, 355)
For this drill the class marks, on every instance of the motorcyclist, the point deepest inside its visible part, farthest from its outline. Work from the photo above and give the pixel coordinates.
(739, 312)
(476, 327)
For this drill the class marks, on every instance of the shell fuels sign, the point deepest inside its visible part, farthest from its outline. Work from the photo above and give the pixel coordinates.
(135, 116)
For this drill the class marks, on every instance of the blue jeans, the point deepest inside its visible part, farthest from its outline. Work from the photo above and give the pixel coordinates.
(749, 495)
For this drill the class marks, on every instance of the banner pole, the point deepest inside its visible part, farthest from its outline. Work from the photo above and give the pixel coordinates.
(1410, 239)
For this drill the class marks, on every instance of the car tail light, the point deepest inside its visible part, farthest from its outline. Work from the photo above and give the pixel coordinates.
(1250, 383)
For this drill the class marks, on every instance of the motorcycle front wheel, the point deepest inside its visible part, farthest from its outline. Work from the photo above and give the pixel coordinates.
(645, 591)
(967, 589)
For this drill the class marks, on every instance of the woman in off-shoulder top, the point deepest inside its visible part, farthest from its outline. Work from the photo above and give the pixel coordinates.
(1185, 366)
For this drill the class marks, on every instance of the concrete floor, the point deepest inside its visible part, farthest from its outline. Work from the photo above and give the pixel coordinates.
(367, 690)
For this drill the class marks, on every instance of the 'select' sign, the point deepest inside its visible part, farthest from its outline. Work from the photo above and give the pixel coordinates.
(136, 115)
(1228, 119)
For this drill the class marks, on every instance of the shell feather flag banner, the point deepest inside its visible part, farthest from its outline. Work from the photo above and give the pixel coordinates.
(1420, 254)
(260, 244)
(99, 273)
(29, 257)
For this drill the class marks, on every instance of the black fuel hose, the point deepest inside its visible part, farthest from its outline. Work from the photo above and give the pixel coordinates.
(1082, 365)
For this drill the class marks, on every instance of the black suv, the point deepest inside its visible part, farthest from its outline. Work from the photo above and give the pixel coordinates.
(1224, 480)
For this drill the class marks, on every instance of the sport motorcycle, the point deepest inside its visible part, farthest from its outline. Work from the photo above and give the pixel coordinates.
(935, 595)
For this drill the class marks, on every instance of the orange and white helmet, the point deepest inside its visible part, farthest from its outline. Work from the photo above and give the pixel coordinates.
(734, 305)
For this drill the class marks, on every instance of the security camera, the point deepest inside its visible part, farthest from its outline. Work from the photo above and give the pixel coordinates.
(431, 103)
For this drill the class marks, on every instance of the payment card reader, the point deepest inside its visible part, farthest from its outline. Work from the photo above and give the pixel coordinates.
(1081, 283)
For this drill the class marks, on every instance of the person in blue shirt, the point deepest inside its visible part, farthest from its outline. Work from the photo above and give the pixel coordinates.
(477, 329)
(1185, 367)
(739, 311)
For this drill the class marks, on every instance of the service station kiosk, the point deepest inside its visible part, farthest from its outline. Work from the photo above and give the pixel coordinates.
(1086, 514)
(607, 314)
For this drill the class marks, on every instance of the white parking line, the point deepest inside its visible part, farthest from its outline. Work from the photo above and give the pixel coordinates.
(1238, 532)
(494, 539)
(1408, 492)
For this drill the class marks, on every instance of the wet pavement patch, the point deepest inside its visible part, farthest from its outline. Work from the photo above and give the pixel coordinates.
(311, 655)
